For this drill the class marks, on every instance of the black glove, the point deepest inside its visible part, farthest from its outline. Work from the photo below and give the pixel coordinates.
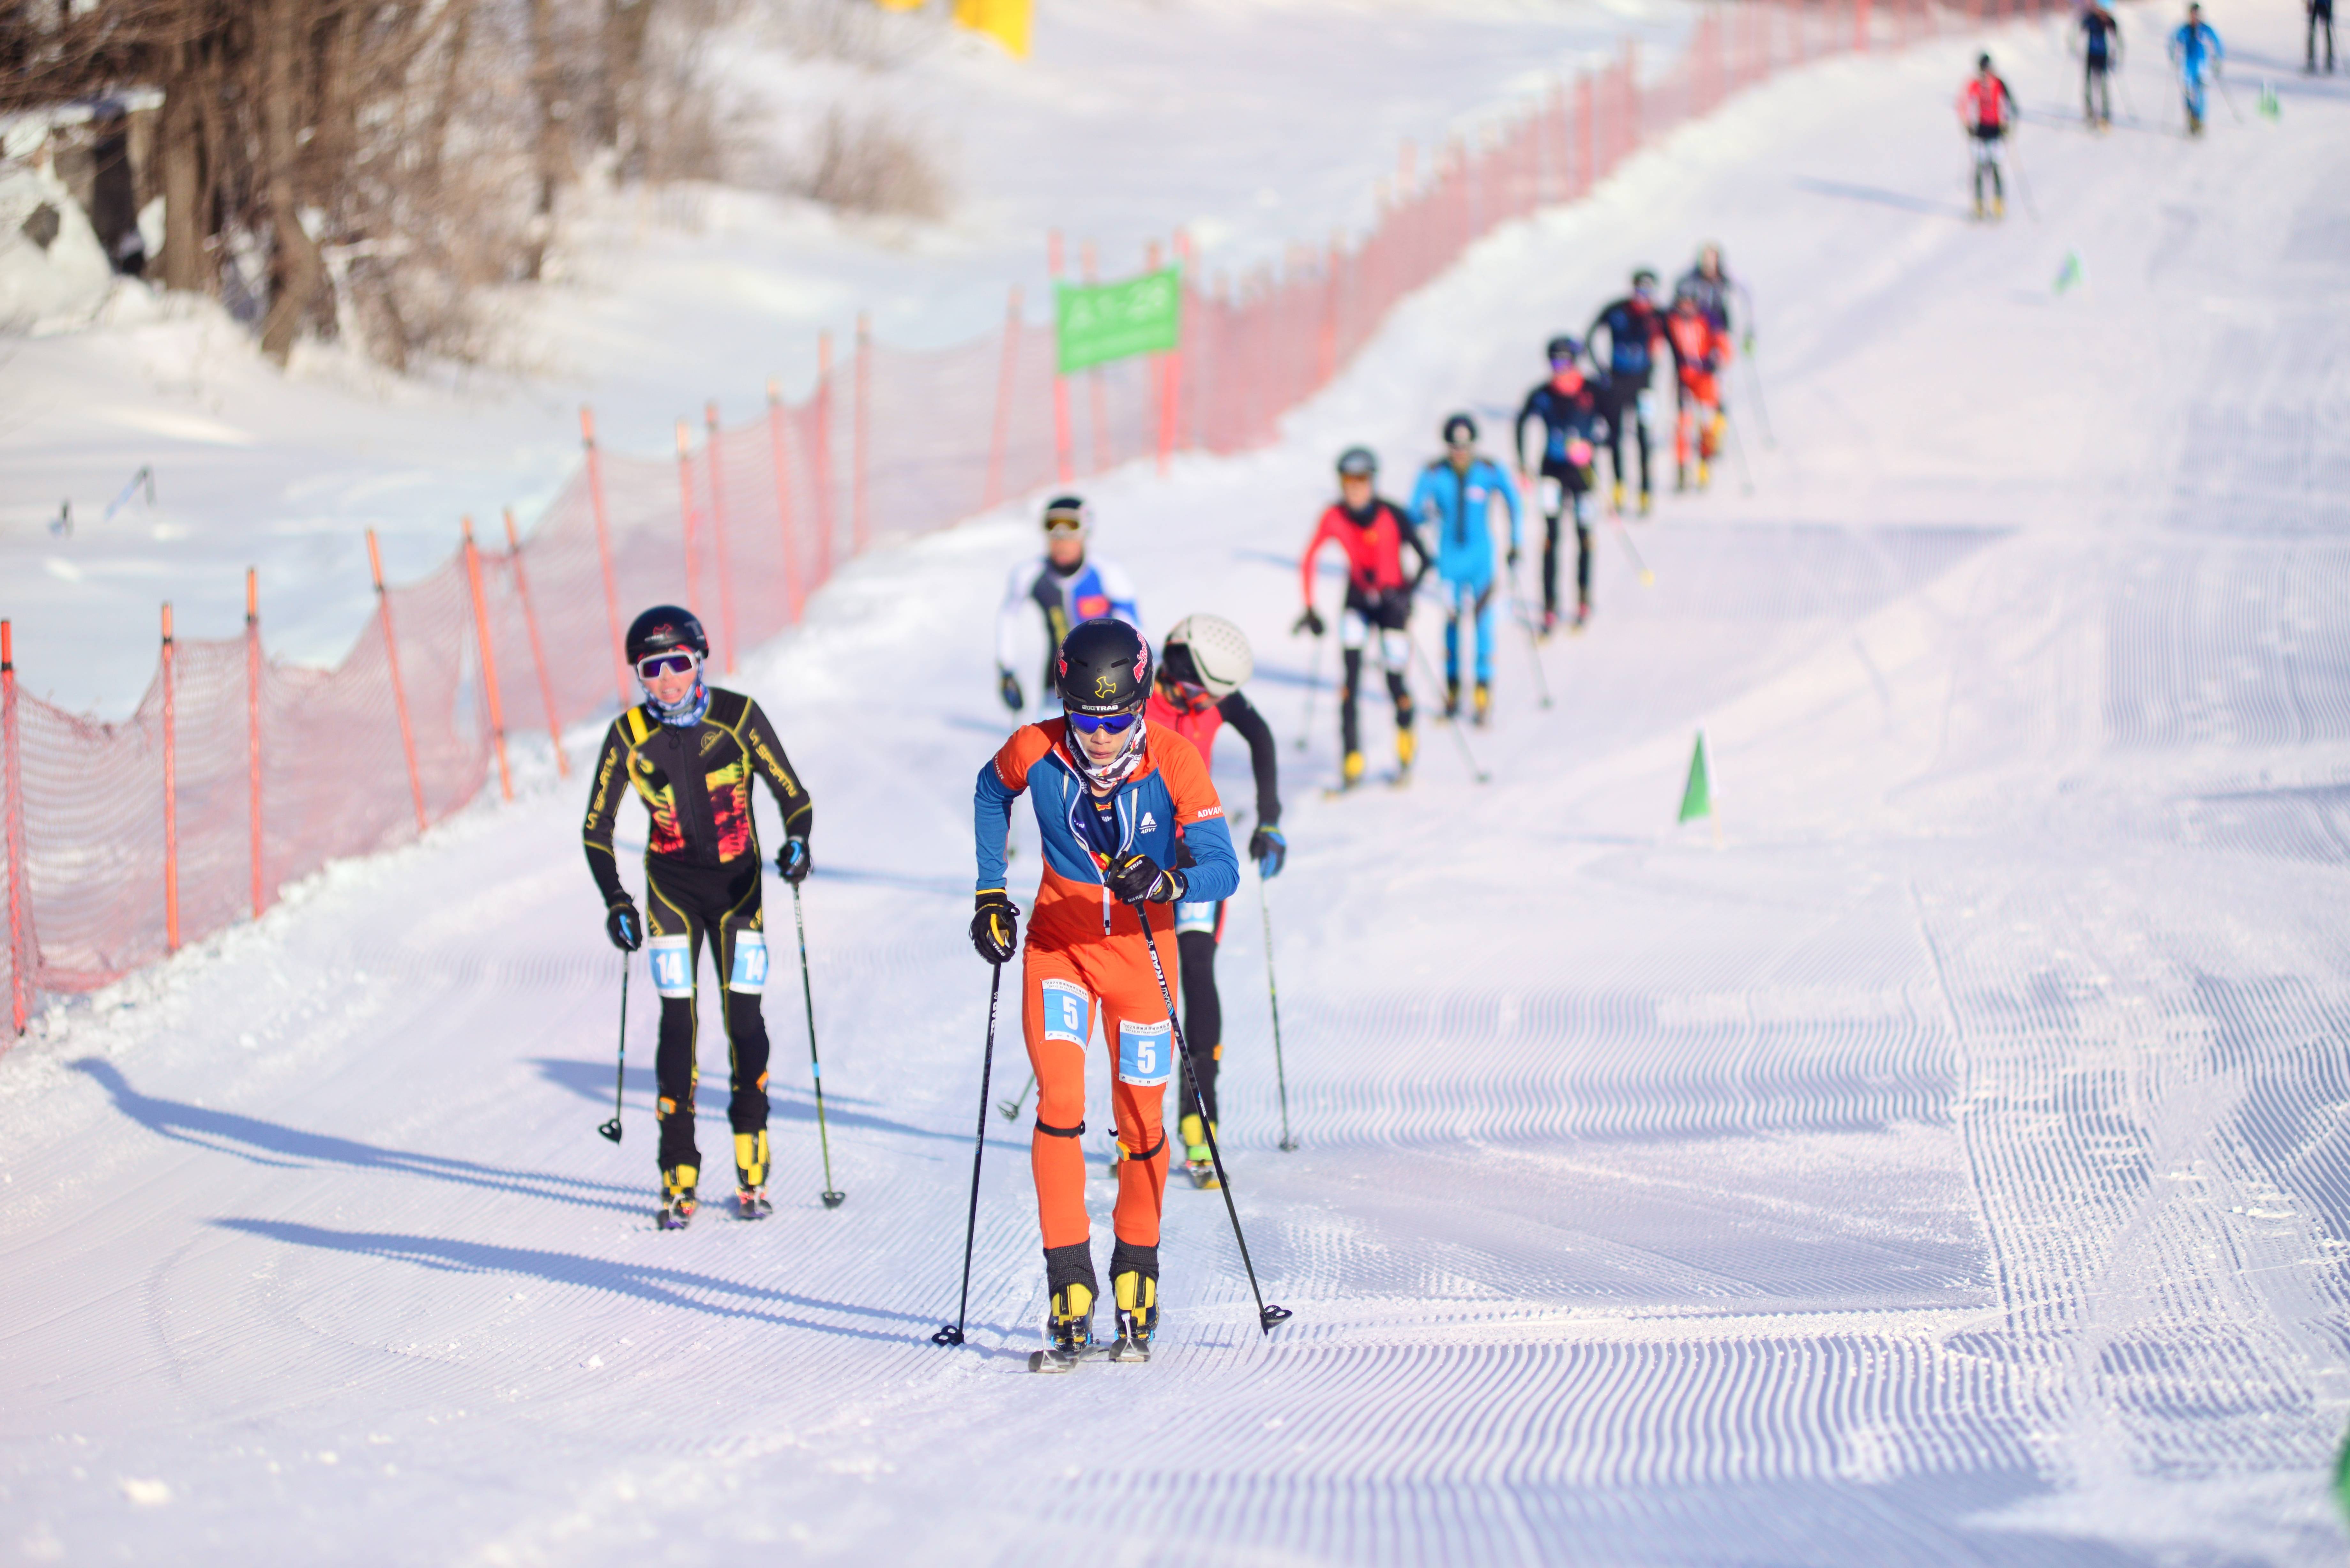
(791, 862)
(1007, 685)
(1269, 849)
(995, 928)
(1136, 879)
(1310, 621)
(625, 926)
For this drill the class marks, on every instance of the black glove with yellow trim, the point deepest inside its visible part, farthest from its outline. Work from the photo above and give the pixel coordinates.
(1136, 879)
(996, 928)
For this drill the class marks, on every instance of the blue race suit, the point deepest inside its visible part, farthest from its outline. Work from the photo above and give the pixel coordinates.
(1454, 506)
(2195, 49)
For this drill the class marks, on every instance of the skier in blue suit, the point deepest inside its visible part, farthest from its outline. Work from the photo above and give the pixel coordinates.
(1454, 494)
(2195, 50)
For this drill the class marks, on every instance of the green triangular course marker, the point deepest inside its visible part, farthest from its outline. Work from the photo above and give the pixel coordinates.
(2072, 274)
(1697, 795)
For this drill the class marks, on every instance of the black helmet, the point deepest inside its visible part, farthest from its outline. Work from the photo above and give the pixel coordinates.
(1562, 347)
(1982, 62)
(1647, 274)
(665, 626)
(1358, 462)
(1104, 667)
(1460, 430)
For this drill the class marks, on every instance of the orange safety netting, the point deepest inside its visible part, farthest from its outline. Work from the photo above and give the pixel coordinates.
(275, 769)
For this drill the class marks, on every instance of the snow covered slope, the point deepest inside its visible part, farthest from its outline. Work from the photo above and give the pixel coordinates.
(1950, 1169)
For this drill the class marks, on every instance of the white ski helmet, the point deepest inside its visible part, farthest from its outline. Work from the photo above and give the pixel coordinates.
(1217, 651)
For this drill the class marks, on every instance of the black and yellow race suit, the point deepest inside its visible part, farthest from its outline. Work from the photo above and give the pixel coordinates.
(702, 878)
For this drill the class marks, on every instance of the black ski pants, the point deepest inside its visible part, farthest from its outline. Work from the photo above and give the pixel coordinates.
(1204, 1010)
(1574, 484)
(1377, 620)
(1624, 408)
(2097, 90)
(2321, 19)
(685, 908)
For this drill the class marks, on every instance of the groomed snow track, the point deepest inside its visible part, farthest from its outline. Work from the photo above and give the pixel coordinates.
(1952, 1168)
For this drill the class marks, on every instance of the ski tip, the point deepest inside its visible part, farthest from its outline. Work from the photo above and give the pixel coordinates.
(1272, 1317)
(948, 1334)
(835, 1199)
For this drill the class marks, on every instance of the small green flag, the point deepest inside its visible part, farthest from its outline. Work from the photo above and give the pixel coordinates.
(2268, 104)
(2072, 274)
(1100, 322)
(1697, 796)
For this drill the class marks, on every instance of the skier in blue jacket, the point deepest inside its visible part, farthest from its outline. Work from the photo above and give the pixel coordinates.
(2195, 50)
(1454, 494)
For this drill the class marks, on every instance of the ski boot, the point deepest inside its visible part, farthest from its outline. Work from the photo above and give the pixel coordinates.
(2194, 123)
(1582, 616)
(1704, 474)
(1069, 1324)
(1451, 698)
(1350, 771)
(1647, 503)
(677, 1196)
(1549, 623)
(1615, 499)
(751, 1177)
(1482, 712)
(1134, 1286)
(1199, 1160)
(1997, 208)
(1406, 748)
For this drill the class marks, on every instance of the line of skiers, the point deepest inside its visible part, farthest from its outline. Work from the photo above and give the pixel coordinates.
(1135, 840)
(1988, 111)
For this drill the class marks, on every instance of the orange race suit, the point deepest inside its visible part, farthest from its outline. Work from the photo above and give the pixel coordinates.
(1084, 950)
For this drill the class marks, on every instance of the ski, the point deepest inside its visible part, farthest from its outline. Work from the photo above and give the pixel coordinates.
(1050, 1359)
(675, 1216)
(1130, 1349)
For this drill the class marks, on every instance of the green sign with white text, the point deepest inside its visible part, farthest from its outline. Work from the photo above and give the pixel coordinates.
(1101, 322)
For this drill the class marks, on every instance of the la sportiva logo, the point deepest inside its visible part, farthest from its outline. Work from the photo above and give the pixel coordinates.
(1105, 684)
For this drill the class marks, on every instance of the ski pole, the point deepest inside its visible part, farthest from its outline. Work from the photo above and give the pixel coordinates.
(832, 1199)
(1647, 577)
(2023, 185)
(1011, 1107)
(1738, 450)
(611, 1129)
(1762, 410)
(952, 1334)
(1533, 643)
(1273, 993)
(1467, 757)
(2226, 96)
(1313, 689)
(1266, 1316)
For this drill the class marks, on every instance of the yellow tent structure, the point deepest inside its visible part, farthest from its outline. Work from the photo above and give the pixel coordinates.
(1005, 21)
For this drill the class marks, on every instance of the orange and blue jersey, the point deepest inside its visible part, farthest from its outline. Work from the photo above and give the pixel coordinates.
(1165, 807)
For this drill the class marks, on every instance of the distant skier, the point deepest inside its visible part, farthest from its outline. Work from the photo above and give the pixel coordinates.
(1716, 291)
(1372, 533)
(1063, 584)
(2320, 18)
(1986, 109)
(1131, 826)
(1453, 500)
(2195, 54)
(1573, 416)
(1202, 666)
(1635, 332)
(2101, 55)
(1700, 349)
(690, 752)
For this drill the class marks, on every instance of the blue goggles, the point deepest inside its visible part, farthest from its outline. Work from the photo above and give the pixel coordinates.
(1115, 724)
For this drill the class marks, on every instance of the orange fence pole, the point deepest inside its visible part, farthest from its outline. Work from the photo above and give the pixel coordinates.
(1001, 438)
(538, 652)
(399, 693)
(792, 595)
(604, 552)
(685, 515)
(253, 727)
(824, 497)
(718, 542)
(860, 521)
(1064, 458)
(12, 806)
(171, 797)
(489, 661)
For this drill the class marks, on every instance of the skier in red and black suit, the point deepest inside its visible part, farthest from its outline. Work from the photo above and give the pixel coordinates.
(1573, 414)
(1202, 666)
(1636, 341)
(1986, 109)
(1374, 532)
(690, 754)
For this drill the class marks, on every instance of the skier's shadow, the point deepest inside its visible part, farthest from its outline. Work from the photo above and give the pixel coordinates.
(1901, 198)
(292, 1148)
(593, 1081)
(659, 1286)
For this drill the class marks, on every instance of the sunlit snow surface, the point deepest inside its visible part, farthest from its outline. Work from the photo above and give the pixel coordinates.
(1950, 1169)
